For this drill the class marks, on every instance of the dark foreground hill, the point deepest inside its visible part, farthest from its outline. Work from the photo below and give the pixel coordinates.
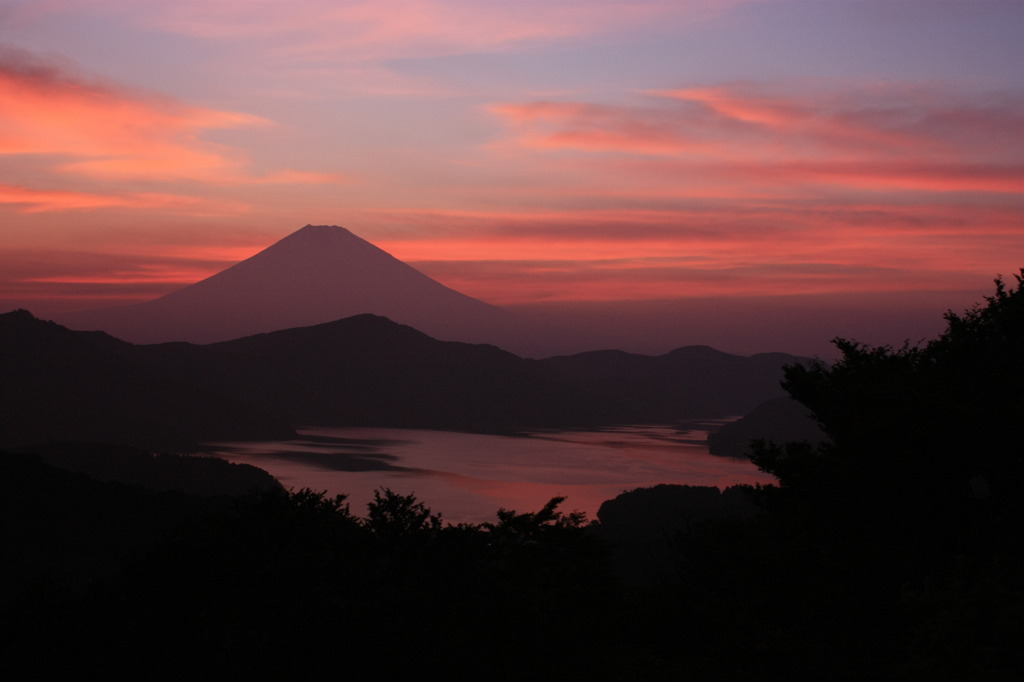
(781, 420)
(360, 371)
(102, 580)
(57, 385)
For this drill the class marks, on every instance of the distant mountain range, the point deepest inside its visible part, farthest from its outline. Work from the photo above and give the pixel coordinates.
(323, 328)
(318, 274)
(58, 385)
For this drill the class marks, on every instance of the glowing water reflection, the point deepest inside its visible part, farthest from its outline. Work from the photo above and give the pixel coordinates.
(468, 477)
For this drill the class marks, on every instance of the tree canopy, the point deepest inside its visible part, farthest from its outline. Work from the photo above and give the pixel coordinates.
(924, 435)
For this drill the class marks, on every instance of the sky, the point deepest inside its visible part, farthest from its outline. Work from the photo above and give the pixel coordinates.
(751, 174)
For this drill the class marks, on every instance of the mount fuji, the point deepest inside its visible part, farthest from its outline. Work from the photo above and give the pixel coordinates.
(317, 274)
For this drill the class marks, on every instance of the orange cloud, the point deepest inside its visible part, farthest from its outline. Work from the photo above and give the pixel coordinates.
(62, 280)
(28, 200)
(136, 266)
(100, 131)
(180, 277)
(34, 201)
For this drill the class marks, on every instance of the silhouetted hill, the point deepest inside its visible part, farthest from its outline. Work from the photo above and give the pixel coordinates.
(367, 370)
(781, 420)
(645, 524)
(695, 381)
(64, 532)
(190, 474)
(361, 371)
(370, 371)
(317, 274)
(660, 512)
(57, 385)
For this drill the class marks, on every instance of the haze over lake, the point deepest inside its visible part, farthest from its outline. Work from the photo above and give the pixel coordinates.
(468, 477)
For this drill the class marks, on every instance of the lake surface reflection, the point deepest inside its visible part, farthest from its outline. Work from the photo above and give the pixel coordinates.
(468, 477)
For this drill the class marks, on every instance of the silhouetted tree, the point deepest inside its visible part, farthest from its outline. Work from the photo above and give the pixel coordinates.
(394, 515)
(924, 436)
(913, 506)
(531, 525)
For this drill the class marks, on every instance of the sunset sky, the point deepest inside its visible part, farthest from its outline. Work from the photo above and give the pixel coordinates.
(782, 156)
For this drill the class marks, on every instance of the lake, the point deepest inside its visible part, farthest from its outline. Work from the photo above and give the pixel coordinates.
(467, 477)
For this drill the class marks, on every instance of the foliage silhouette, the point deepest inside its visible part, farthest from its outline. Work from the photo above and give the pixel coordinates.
(394, 515)
(529, 527)
(106, 578)
(910, 514)
(923, 441)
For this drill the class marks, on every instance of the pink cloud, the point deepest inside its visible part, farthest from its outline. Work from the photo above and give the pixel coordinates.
(729, 248)
(747, 121)
(746, 140)
(802, 179)
(919, 176)
(875, 119)
(61, 280)
(595, 127)
(366, 30)
(525, 282)
(33, 201)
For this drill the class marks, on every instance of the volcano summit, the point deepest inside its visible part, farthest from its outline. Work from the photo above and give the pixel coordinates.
(318, 274)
